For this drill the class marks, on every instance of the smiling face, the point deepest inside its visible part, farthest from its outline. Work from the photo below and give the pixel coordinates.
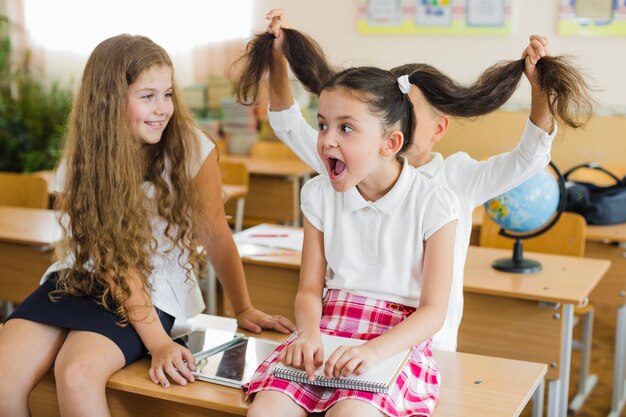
(350, 139)
(150, 103)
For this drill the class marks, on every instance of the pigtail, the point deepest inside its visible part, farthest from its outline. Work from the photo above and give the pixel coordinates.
(307, 60)
(565, 88)
(568, 93)
(305, 57)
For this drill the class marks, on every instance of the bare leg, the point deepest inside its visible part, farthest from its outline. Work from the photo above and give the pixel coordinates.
(27, 352)
(274, 404)
(349, 408)
(83, 366)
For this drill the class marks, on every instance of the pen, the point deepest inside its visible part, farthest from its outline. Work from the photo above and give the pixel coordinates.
(269, 235)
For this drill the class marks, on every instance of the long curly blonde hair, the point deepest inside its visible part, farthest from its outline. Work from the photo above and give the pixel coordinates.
(107, 229)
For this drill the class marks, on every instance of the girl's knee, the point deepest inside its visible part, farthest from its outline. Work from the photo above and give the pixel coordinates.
(273, 403)
(76, 376)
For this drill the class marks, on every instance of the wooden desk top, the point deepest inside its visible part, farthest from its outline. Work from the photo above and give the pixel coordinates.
(273, 167)
(611, 233)
(564, 279)
(267, 256)
(28, 226)
(233, 191)
(472, 385)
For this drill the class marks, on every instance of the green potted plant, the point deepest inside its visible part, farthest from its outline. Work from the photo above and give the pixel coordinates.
(32, 113)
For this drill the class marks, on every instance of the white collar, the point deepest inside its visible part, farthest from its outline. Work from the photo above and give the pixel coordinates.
(431, 167)
(387, 203)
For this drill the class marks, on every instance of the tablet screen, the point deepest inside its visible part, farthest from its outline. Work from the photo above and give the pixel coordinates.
(235, 365)
(207, 340)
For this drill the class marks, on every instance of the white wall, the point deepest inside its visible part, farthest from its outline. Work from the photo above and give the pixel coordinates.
(333, 23)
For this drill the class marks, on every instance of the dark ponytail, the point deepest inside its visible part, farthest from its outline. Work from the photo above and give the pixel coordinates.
(566, 91)
(305, 56)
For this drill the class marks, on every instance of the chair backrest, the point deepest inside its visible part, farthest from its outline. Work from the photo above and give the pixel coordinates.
(23, 190)
(566, 237)
(234, 173)
(221, 146)
(270, 149)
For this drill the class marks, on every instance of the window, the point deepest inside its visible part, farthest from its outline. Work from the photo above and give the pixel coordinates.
(177, 25)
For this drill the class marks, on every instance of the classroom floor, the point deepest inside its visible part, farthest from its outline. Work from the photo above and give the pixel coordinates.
(598, 403)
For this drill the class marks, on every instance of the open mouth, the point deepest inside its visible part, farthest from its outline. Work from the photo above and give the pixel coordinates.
(336, 167)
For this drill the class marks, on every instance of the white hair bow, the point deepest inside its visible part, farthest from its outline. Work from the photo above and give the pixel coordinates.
(404, 84)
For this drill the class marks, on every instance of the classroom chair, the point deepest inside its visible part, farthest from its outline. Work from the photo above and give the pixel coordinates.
(271, 150)
(235, 173)
(566, 237)
(222, 146)
(23, 190)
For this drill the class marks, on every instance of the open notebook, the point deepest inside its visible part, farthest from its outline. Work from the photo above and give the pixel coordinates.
(377, 379)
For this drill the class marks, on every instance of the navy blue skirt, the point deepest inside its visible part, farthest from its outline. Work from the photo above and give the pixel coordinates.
(83, 313)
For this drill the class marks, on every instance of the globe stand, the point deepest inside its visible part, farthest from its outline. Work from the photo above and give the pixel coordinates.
(517, 264)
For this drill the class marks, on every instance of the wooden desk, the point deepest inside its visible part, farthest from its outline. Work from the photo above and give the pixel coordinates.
(472, 385)
(534, 319)
(526, 317)
(604, 242)
(233, 191)
(27, 237)
(274, 192)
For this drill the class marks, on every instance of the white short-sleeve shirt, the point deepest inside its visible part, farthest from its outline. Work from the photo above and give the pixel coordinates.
(375, 249)
(474, 182)
(172, 292)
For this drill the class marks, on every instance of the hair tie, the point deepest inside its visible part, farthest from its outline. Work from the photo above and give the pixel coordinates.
(404, 84)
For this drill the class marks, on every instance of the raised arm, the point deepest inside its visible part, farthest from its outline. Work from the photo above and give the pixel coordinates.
(539, 109)
(285, 116)
(279, 88)
(483, 180)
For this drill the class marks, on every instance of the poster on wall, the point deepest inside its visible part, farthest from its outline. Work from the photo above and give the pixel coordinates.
(438, 17)
(592, 18)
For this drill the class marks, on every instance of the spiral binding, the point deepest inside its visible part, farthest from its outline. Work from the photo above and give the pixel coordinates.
(322, 381)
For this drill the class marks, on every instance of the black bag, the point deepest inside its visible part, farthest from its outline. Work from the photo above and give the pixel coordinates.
(599, 205)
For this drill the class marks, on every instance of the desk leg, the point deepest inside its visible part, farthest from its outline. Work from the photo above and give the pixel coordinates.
(537, 400)
(295, 183)
(619, 368)
(554, 389)
(211, 297)
(566, 355)
(587, 381)
(241, 202)
(297, 187)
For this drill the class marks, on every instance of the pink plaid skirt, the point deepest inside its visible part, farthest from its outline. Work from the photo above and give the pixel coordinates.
(416, 390)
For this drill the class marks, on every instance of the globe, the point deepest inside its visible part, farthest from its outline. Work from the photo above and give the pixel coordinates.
(527, 207)
(527, 211)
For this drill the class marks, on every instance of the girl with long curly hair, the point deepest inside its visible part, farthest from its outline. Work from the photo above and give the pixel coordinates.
(140, 201)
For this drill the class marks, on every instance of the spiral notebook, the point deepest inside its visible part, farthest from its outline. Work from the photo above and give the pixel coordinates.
(377, 379)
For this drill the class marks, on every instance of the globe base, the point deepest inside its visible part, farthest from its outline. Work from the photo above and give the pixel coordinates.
(523, 266)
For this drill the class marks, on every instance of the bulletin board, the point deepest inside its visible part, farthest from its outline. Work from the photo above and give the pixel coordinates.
(436, 17)
(592, 18)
